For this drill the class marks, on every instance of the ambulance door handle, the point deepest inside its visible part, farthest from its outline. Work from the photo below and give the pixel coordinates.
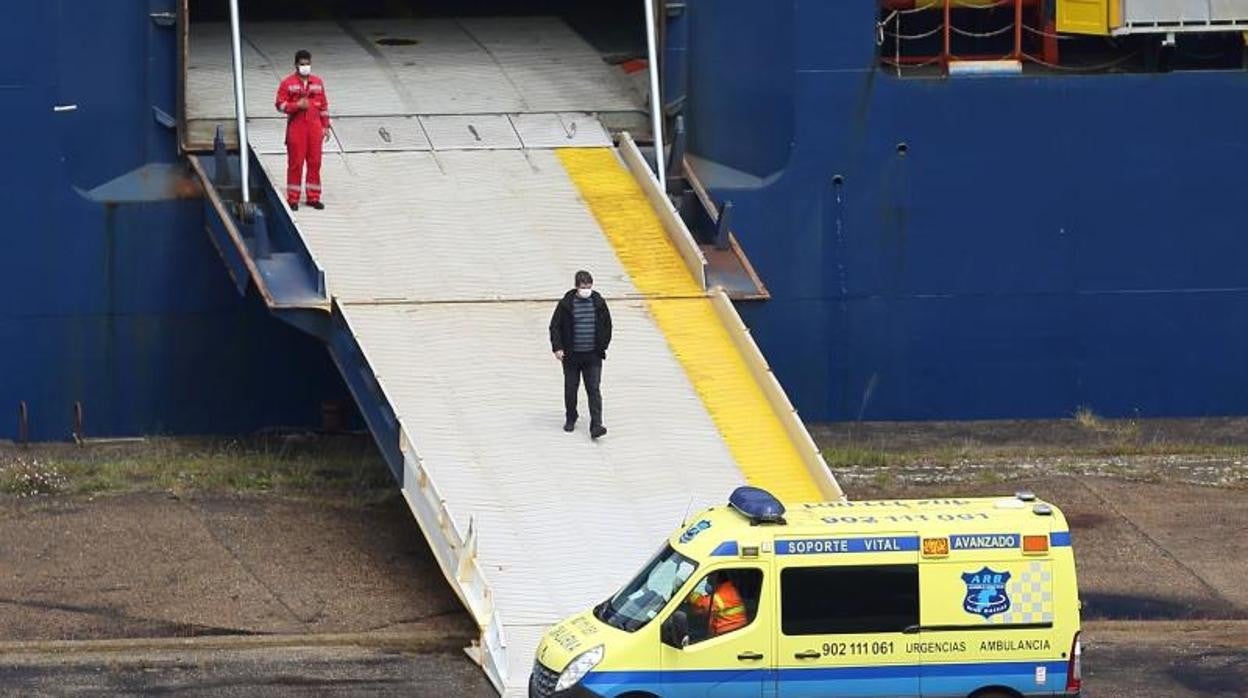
(808, 654)
(750, 656)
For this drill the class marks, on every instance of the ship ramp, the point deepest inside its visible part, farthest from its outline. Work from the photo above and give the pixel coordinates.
(468, 177)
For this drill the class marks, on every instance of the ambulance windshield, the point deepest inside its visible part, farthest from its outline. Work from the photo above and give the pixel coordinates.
(643, 598)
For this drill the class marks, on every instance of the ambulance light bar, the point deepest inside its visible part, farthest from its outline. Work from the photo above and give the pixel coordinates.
(758, 505)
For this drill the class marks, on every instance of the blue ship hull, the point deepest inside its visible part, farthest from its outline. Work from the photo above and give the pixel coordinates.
(1045, 242)
(1042, 243)
(124, 307)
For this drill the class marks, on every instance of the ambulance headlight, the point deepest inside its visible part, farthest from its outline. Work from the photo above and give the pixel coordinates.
(579, 667)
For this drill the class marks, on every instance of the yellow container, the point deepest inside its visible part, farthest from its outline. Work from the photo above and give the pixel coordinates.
(1094, 17)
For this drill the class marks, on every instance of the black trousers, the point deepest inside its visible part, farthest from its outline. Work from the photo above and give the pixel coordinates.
(578, 365)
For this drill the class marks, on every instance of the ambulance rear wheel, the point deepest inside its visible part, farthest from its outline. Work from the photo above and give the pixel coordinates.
(994, 693)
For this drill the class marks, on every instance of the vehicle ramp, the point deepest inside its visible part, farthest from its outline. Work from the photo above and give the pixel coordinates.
(446, 241)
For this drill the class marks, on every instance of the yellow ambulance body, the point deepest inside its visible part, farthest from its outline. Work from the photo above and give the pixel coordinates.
(942, 597)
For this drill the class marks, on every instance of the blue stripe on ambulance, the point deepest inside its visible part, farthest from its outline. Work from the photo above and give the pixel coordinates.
(897, 679)
(984, 541)
(833, 546)
(1059, 539)
(728, 547)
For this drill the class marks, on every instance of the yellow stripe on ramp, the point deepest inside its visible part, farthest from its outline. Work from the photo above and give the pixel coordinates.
(737, 405)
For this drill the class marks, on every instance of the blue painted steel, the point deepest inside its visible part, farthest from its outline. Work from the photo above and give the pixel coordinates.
(372, 403)
(1059, 539)
(122, 306)
(296, 295)
(1045, 242)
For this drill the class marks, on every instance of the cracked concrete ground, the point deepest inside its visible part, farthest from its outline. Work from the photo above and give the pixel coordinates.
(1160, 565)
(329, 670)
(149, 565)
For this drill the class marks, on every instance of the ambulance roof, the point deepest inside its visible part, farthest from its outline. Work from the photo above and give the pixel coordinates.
(1016, 514)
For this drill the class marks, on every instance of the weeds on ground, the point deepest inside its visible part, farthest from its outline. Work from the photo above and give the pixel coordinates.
(853, 457)
(1125, 431)
(315, 467)
(30, 477)
(883, 479)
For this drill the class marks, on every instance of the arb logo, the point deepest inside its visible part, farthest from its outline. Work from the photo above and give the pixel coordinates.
(985, 592)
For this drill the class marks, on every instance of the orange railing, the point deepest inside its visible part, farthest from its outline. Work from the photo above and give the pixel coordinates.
(896, 14)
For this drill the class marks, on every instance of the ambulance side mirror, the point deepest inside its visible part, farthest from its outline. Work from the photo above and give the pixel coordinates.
(675, 630)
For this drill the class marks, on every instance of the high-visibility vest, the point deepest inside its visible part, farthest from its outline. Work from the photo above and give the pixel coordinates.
(725, 606)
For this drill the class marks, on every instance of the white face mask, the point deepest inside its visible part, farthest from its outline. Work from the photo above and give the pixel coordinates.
(584, 292)
(305, 70)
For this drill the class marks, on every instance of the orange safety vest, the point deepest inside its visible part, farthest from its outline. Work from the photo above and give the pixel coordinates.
(725, 606)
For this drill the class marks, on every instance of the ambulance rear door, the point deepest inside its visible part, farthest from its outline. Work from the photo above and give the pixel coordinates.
(988, 614)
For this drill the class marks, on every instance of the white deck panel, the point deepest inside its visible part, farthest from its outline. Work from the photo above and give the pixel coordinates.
(568, 130)
(371, 133)
(471, 132)
(268, 135)
(478, 66)
(363, 134)
(562, 520)
(452, 226)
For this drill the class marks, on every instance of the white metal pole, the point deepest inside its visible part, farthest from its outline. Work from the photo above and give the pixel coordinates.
(240, 103)
(656, 97)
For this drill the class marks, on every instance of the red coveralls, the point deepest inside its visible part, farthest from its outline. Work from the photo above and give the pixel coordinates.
(305, 130)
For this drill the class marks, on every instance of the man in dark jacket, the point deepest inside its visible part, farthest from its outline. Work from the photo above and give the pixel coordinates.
(580, 332)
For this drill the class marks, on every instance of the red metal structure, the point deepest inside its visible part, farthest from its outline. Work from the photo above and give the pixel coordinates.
(1030, 23)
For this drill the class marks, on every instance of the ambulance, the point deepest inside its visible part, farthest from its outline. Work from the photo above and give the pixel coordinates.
(942, 597)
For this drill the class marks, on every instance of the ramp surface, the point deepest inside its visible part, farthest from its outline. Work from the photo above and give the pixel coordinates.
(452, 226)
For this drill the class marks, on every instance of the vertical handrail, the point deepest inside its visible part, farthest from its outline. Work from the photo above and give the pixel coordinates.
(948, 47)
(240, 105)
(1018, 30)
(656, 97)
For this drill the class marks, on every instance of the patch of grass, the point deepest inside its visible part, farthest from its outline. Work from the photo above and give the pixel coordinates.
(951, 453)
(1086, 418)
(30, 477)
(1125, 431)
(988, 476)
(1069, 468)
(333, 467)
(854, 457)
(884, 479)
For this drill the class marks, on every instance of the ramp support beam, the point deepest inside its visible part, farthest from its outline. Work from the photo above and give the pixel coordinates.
(240, 104)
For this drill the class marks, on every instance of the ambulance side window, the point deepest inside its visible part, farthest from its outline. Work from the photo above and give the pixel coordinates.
(722, 602)
(843, 600)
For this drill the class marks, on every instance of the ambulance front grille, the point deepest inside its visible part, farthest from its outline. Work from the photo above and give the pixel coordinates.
(543, 683)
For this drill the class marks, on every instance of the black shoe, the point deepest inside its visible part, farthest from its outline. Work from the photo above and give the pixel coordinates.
(317, 205)
(569, 425)
(596, 431)
(294, 206)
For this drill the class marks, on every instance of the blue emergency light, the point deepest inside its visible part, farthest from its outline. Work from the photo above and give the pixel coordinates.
(758, 505)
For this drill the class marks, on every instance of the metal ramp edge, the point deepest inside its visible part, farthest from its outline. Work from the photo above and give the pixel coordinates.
(816, 468)
(236, 241)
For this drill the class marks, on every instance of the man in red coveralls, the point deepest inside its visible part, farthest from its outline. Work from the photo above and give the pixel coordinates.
(301, 97)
